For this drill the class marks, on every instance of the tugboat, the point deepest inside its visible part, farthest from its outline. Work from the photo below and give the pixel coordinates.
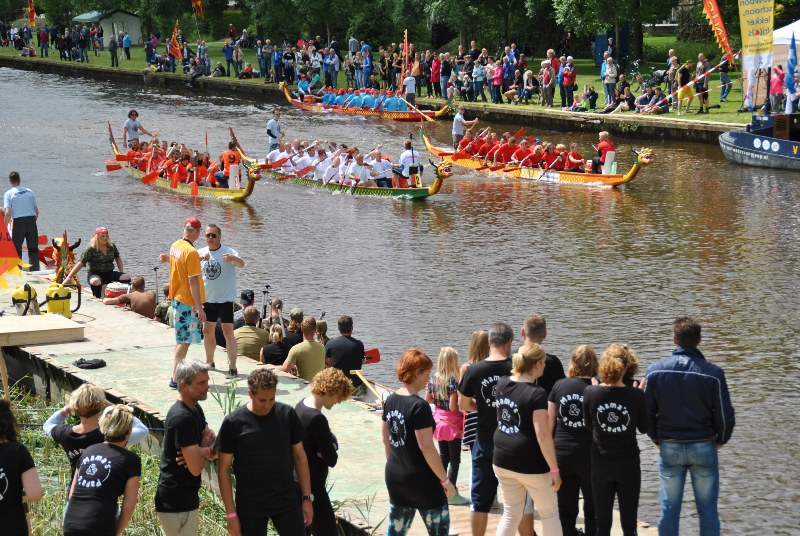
(771, 141)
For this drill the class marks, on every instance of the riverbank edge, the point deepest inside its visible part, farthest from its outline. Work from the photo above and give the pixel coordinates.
(642, 128)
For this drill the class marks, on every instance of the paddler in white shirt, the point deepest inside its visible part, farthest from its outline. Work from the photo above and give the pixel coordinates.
(359, 173)
(381, 168)
(410, 164)
(324, 163)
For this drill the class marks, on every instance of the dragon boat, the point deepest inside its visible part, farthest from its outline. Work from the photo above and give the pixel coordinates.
(771, 141)
(644, 157)
(161, 183)
(442, 171)
(314, 106)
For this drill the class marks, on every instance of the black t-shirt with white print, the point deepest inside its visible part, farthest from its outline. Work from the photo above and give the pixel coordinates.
(612, 415)
(102, 473)
(479, 382)
(571, 437)
(14, 461)
(515, 445)
(410, 480)
(74, 443)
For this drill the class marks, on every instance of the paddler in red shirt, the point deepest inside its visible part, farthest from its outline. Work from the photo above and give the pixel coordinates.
(523, 152)
(487, 146)
(228, 158)
(550, 156)
(145, 152)
(575, 162)
(503, 155)
(603, 148)
(492, 154)
(467, 141)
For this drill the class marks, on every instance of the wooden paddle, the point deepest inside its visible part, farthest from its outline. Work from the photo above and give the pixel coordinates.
(380, 102)
(125, 158)
(372, 356)
(417, 110)
(151, 177)
(111, 165)
(277, 163)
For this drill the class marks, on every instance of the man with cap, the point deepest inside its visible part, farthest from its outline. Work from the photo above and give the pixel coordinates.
(219, 264)
(21, 211)
(246, 299)
(187, 292)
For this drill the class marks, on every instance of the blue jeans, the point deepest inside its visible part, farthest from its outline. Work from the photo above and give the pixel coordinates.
(443, 83)
(700, 459)
(484, 481)
(609, 90)
(478, 90)
(725, 78)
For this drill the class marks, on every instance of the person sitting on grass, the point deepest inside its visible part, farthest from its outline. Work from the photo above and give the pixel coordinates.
(248, 73)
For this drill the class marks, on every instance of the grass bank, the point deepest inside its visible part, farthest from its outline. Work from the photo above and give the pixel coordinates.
(53, 467)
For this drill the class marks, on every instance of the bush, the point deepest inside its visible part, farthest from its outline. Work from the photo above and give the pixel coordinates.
(657, 53)
(240, 19)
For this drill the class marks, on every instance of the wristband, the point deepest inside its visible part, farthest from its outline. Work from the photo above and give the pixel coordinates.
(208, 452)
(445, 482)
(232, 515)
(554, 470)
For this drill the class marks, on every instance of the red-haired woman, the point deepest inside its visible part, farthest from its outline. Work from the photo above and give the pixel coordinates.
(415, 477)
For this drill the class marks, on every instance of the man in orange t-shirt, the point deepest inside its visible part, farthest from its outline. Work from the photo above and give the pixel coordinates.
(186, 291)
(228, 158)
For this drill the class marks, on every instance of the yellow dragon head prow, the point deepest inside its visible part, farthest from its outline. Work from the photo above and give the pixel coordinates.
(644, 156)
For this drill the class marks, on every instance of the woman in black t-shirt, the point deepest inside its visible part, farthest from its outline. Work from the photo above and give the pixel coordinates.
(612, 413)
(87, 401)
(273, 353)
(17, 473)
(415, 477)
(524, 456)
(572, 441)
(328, 388)
(105, 472)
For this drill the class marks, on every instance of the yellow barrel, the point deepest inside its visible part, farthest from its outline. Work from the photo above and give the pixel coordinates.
(58, 298)
(21, 296)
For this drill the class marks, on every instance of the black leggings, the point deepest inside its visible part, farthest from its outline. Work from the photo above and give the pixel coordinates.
(450, 452)
(324, 522)
(620, 477)
(287, 523)
(576, 476)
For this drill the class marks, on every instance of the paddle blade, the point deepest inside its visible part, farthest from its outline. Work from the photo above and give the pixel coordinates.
(518, 134)
(195, 189)
(305, 171)
(111, 165)
(43, 240)
(150, 178)
(461, 154)
(372, 356)
(125, 158)
(495, 168)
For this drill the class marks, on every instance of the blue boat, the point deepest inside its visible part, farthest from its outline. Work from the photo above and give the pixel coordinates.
(771, 141)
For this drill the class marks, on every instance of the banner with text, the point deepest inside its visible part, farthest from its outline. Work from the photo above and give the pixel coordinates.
(756, 20)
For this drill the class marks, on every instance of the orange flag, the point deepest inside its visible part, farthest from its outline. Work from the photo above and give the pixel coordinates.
(198, 8)
(711, 10)
(31, 12)
(174, 45)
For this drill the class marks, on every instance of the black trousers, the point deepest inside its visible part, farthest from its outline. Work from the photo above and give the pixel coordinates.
(287, 523)
(24, 230)
(324, 522)
(620, 477)
(450, 453)
(576, 476)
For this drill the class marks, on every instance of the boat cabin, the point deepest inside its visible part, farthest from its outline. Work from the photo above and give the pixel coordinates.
(780, 126)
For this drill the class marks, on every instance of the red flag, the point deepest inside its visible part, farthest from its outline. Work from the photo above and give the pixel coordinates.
(174, 44)
(198, 8)
(31, 12)
(405, 54)
(711, 10)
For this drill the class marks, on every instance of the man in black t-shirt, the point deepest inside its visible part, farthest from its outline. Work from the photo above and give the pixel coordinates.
(346, 353)
(263, 443)
(535, 330)
(187, 447)
(477, 393)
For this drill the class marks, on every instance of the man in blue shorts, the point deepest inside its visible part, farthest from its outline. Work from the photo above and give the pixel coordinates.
(186, 291)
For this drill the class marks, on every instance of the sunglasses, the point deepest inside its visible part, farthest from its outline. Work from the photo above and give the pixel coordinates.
(211, 235)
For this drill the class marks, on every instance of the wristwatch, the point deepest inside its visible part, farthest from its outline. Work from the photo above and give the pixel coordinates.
(309, 498)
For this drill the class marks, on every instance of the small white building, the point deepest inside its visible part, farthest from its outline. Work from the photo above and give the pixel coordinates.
(113, 22)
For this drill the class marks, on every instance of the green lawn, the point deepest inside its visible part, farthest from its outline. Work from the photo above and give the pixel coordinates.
(588, 74)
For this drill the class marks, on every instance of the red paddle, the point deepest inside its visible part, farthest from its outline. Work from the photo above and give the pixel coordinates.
(126, 158)
(372, 356)
(151, 177)
(111, 165)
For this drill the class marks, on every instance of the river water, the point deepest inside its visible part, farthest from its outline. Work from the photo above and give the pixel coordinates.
(694, 234)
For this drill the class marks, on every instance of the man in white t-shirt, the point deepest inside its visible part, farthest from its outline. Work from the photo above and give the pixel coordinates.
(381, 168)
(324, 163)
(274, 132)
(359, 173)
(410, 83)
(219, 264)
(459, 126)
(410, 164)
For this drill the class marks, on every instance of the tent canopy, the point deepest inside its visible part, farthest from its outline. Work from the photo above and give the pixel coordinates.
(96, 16)
(783, 36)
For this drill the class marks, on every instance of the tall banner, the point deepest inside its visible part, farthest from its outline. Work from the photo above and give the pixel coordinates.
(31, 13)
(174, 45)
(711, 9)
(791, 65)
(198, 8)
(406, 65)
(756, 18)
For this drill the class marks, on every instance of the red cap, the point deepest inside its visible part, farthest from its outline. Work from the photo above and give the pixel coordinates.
(101, 231)
(193, 222)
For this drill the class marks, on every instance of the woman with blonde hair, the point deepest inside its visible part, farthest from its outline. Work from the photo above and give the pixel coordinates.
(273, 353)
(87, 402)
(18, 475)
(572, 441)
(524, 456)
(442, 392)
(322, 332)
(478, 351)
(105, 472)
(612, 413)
(415, 477)
(100, 257)
(328, 388)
